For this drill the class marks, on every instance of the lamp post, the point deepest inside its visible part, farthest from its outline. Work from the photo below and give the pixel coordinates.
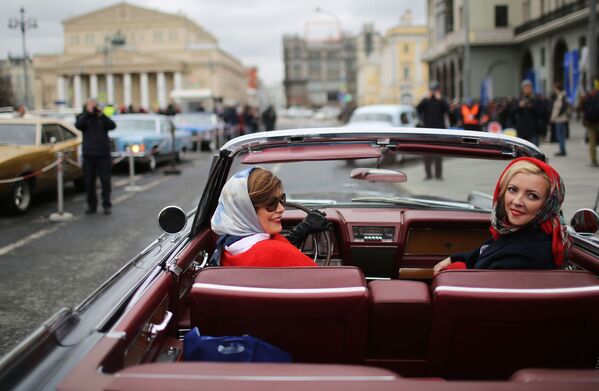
(466, 65)
(24, 25)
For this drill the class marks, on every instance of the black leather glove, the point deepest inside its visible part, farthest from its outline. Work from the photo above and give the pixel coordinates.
(314, 222)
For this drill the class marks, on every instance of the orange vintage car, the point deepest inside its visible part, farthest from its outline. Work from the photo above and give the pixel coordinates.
(27, 148)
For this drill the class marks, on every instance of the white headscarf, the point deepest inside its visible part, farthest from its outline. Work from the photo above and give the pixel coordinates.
(235, 215)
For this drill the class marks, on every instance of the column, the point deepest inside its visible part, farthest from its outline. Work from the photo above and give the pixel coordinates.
(144, 88)
(78, 103)
(110, 88)
(127, 89)
(161, 89)
(60, 95)
(178, 84)
(93, 86)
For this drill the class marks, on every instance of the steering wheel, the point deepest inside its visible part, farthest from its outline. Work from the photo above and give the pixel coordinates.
(325, 235)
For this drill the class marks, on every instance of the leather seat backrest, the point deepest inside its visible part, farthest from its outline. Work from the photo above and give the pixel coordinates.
(488, 324)
(316, 314)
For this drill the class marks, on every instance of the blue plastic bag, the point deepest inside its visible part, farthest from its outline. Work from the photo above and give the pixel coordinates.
(246, 348)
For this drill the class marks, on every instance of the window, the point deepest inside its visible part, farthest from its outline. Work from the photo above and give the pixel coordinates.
(19, 134)
(406, 48)
(501, 19)
(526, 10)
(89, 39)
(51, 133)
(67, 134)
(406, 72)
(172, 35)
(157, 36)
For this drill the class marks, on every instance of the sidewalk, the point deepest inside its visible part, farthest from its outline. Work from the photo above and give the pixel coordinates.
(580, 179)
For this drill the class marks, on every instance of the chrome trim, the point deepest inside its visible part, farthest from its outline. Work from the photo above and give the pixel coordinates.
(253, 378)
(117, 335)
(540, 291)
(291, 291)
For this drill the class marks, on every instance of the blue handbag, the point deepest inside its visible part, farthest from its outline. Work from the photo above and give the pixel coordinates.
(197, 347)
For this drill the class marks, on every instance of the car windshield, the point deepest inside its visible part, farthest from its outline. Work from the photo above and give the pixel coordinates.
(146, 125)
(193, 119)
(20, 134)
(371, 117)
(328, 183)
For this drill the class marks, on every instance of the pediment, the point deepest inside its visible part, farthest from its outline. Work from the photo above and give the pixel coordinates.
(122, 12)
(119, 57)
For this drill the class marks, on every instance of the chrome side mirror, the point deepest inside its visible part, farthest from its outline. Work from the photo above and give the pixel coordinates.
(585, 221)
(172, 219)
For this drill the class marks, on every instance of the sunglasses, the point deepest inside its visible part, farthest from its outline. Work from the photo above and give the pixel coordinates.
(274, 202)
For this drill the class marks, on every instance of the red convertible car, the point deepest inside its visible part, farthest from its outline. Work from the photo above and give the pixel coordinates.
(367, 318)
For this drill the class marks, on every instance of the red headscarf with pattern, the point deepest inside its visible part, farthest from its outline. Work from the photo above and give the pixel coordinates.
(549, 218)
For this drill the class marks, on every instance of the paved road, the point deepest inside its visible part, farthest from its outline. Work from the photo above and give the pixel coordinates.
(47, 266)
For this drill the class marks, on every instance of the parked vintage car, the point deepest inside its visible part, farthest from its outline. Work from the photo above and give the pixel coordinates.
(149, 137)
(356, 322)
(206, 129)
(384, 115)
(27, 148)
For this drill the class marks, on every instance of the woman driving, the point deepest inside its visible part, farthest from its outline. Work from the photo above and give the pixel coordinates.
(248, 220)
(527, 227)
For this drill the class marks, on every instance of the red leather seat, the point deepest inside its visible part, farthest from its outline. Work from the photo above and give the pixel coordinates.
(488, 324)
(316, 314)
(400, 320)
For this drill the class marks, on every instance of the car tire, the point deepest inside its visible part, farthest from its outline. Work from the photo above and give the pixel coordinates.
(79, 184)
(20, 198)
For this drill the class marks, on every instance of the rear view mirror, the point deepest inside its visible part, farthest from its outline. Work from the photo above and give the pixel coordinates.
(379, 175)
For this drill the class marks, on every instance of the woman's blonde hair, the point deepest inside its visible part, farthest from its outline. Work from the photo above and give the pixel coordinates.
(263, 185)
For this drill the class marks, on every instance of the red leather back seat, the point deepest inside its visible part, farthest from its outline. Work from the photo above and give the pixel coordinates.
(316, 314)
(488, 324)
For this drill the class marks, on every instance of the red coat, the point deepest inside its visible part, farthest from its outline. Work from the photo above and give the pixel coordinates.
(277, 251)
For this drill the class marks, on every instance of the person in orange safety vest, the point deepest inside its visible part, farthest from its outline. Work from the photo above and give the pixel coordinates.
(471, 115)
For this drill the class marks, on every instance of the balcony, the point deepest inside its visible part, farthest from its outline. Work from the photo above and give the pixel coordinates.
(551, 16)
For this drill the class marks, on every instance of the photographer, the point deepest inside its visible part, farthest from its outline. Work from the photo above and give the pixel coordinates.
(96, 154)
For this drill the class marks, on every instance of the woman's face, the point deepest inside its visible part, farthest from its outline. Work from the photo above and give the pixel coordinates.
(271, 221)
(524, 196)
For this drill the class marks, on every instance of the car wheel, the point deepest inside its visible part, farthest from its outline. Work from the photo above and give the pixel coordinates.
(79, 184)
(20, 198)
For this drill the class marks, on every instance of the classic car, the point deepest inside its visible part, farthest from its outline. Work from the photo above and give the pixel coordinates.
(27, 148)
(149, 137)
(206, 128)
(365, 319)
(384, 115)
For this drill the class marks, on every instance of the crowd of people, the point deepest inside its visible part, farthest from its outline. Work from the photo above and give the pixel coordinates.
(535, 117)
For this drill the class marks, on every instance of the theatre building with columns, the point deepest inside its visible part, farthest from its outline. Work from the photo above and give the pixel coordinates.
(129, 55)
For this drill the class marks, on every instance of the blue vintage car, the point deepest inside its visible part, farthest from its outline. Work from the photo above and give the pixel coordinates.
(149, 138)
(206, 128)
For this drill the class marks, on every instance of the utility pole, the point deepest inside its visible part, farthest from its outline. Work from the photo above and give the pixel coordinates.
(592, 44)
(23, 25)
(466, 65)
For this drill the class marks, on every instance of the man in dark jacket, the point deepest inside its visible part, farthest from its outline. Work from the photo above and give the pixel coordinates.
(528, 113)
(96, 154)
(269, 118)
(434, 113)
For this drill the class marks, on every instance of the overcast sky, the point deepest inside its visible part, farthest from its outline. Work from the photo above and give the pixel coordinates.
(251, 30)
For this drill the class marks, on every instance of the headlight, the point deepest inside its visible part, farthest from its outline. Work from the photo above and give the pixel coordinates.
(137, 148)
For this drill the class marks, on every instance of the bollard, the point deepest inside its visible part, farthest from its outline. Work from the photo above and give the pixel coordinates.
(132, 186)
(61, 215)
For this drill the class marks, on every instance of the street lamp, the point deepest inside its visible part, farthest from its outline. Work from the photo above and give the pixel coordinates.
(24, 25)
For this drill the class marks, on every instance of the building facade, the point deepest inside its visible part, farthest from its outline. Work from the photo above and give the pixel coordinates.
(129, 55)
(390, 67)
(18, 74)
(319, 72)
(507, 41)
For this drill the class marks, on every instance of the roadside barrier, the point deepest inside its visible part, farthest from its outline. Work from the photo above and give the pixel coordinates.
(132, 186)
(60, 215)
(32, 174)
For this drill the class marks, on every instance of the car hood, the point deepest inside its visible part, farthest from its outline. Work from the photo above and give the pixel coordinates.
(132, 135)
(8, 152)
(196, 128)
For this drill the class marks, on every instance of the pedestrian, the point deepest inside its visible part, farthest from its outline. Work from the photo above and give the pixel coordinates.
(434, 113)
(559, 117)
(269, 118)
(471, 115)
(21, 112)
(96, 154)
(527, 113)
(590, 119)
